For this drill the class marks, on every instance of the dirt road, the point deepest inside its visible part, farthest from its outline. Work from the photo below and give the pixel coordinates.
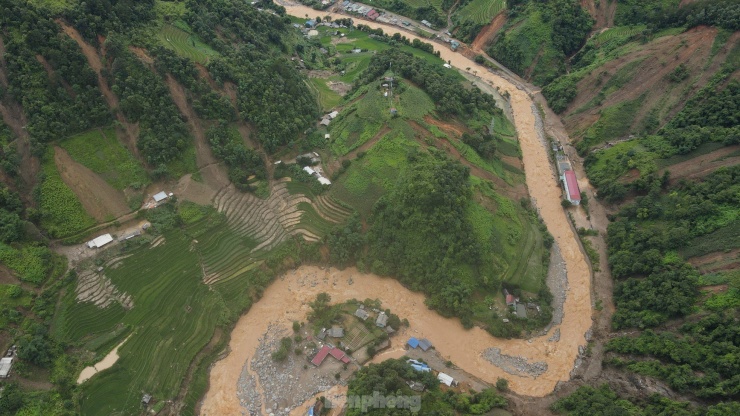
(286, 299)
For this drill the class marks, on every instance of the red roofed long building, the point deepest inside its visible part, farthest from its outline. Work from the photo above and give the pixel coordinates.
(319, 358)
(326, 351)
(571, 187)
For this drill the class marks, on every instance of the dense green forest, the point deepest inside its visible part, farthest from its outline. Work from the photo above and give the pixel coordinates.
(602, 400)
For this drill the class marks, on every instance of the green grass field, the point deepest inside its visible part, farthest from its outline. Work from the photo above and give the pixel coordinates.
(178, 38)
(367, 179)
(481, 11)
(103, 154)
(62, 213)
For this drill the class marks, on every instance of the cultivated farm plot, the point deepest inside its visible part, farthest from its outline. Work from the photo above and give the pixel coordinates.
(481, 11)
(185, 44)
(357, 337)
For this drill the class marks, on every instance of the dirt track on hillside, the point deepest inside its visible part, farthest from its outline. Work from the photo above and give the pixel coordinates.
(281, 301)
(100, 200)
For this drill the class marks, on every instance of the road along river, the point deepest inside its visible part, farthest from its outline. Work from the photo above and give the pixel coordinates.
(286, 299)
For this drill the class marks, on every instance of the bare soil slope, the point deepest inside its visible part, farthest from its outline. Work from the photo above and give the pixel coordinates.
(649, 78)
(488, 32)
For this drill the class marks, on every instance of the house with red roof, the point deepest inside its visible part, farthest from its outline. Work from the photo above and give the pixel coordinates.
(572, 193)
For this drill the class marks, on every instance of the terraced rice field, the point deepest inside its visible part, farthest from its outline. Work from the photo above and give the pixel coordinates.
(262, 224)
(96, 288)
(481, 11)
(174, 317)
(185, 44)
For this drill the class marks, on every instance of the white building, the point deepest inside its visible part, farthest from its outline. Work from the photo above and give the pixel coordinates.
(100, 241)
(324, 181)
(161, 196)
(6, 363)
(308, 170)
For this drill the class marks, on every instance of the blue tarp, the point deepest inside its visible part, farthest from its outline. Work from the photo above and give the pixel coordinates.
(421, 368)
(413, 342)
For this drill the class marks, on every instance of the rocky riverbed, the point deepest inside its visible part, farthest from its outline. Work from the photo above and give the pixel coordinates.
(275, 388)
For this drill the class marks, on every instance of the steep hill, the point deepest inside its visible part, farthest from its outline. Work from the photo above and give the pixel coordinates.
(106, 103)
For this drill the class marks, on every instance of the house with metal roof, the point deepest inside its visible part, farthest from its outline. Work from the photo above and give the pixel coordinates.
(446, 379)
(361, 313)
(336, 332)
(6, 363)
(572, 193)
(425, 344)
(161, 196)
(321, 355)
(412, 342)
(382, 320)
(100, 241)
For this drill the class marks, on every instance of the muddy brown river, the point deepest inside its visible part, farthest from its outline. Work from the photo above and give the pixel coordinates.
(286, 299)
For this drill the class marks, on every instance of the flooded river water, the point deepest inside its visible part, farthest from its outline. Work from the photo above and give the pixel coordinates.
(286, 299)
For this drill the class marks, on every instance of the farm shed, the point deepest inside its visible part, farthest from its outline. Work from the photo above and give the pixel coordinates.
(325, 122)
(324, 181)
(333, 114)
(412, 342)
(100, 241)
(308, 170)
(6, 363)
(321, 356)
(446, 379)
(425, 344)
(310, 23)
(571, 187)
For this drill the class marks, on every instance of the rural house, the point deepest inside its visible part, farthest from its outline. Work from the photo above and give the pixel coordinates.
(382, 320)
(572, 193)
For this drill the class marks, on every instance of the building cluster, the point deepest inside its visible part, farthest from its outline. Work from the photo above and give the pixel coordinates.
(423, 367)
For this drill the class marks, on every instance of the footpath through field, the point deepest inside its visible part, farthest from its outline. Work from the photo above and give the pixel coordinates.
(286, 299)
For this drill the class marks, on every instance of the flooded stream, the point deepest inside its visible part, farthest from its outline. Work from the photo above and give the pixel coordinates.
(286, 299)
